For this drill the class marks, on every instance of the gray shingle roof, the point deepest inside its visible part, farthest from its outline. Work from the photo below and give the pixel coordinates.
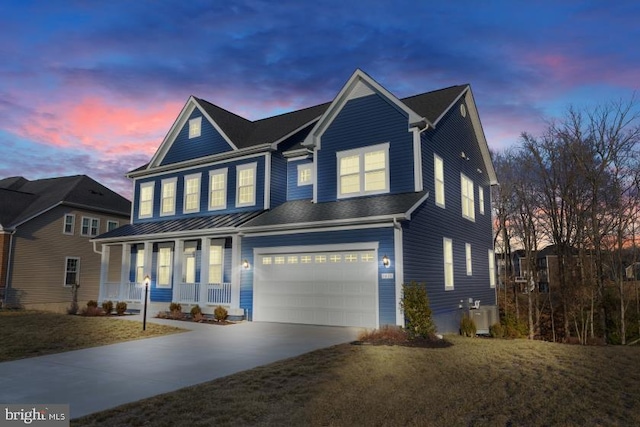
(21, 199)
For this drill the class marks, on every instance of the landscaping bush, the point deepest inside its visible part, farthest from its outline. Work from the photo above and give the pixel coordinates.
(175, 306)
(195, 310)
(121, 307)
(417, 312)
(513, 327)
(387, 334)
(220, 313)
(496, 330)
(91, 311)
(107, 306)
(468, 327)
(92, 303)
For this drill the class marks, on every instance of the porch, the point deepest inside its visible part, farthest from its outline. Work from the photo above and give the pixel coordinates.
(187, 293)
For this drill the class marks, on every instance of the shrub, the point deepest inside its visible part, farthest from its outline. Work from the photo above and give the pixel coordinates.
(417, 312)
(121, 307)
(386, 334)
(107, 306)
(92, 303)
(220, 313)
(195, 310)
(467, 327)
(175, 306)
(91, 311)
(496, 330)
(513, 327)
(198, 317)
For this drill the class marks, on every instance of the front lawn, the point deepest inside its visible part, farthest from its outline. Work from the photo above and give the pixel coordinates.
(475, 382)
(31, 333)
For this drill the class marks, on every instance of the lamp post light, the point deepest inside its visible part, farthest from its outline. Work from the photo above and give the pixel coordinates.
(147, 279)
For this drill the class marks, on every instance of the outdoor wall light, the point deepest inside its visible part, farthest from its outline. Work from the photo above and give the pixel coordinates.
(386, 261)
(245, 264)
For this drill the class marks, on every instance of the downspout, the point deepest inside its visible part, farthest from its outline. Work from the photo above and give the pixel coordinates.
(94, 248)
(6, 280)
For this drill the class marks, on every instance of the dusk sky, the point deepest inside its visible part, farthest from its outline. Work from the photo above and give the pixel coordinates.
(92, 87)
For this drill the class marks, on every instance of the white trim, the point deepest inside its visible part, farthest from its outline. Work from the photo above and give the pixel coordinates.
(361, 153)
(195, 127)
(315, 174)
(295, 230)
(90, 226)
(414, 207)
(141, 186)
(334, 222)
(481, 199)
(187, 178)
(267, 181)
(482, 141)
(399, 267)
(492, 268)
(73, 224)
(155, 237)
(467, 199)
(240, 168)
(305, 166)
(218, 243)
(236, 270)
(448, 254)
(225, 173)
(437, 158)
(165, 245)
(468, 257)
(341, 247)
(417, 160)
(299, 158)
(66, 261)
(173, 181)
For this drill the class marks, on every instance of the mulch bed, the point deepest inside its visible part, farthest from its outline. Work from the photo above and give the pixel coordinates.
(416, 342)
(187, 318)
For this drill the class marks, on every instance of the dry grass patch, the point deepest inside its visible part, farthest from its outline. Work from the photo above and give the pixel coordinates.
(475, 382)
(31, 333)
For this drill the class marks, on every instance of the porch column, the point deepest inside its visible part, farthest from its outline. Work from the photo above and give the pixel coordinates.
(148, 265)
(236, 265)
(104, 271)
(125, 271)
(204, 269)
(177, 268)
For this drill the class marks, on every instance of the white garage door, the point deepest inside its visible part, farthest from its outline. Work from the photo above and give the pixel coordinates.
(319, 288)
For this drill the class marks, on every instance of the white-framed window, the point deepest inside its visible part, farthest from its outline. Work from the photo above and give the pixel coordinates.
(447, 247)
(189, 262)
(195, 127)
(292, 259)
(90, 226)
(321, 259)
(467, 255)
(363, 171)
(168, 199)
(267, 260)
(305, 259)
(215, 263)
(246, 184)
(145, 208)
(335, 258)
(278, 260)
(218, 189)
(481, 200)
(466, 189)
(438, 174)
(165, 263)
(191, 193)
(367, 257)
(112, 225)
(140, 264)
(69, 224)
(492, 268)
(305, 176)
(71, 270)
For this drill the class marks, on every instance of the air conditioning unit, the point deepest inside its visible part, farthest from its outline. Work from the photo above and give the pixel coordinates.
(484, 317)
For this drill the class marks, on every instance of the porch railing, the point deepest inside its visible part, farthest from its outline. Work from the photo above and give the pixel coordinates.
(189, 293)
(218, 293)
(133, 292)
(112, 291)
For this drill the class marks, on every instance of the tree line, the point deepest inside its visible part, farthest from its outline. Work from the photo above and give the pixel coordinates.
(576, 187)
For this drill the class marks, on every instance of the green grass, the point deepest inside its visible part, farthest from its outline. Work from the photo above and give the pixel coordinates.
(30, 333)
(475, 382)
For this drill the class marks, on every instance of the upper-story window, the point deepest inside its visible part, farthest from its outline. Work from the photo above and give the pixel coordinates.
(447, 248)
(90, 226)
(492, 269)
(481, 200)
(168, 202)
(363, 171)
(246, 185)
(468, 207)
(438, 173)
(195, 127)
(468, 258)
(112, 225)
(305, 176)
(145, 209)
(218, 189)
(192, 193)
(69, 223)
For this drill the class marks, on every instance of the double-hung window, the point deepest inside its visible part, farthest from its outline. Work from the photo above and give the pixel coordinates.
(246, 185)
(481, 200)
(467, 253)
(363, 171)
(492, 268)
(305, 176)
(168, 202)
(218, 189)
(195, 127)
(69, 223)
(71, 271)
(215, 264)
(192, 193)
(90, 226)
(112, 225)
(145, 208)
(164, 266)
(140, 264)
(438, 174)
(468, 207)
(447, 246)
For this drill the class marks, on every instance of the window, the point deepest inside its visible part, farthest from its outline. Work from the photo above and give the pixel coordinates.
(195, 127)
(218, 189)
(321, 259)
(215, 264)
(246, 185)
(71, 271)
(363, 171)
(279, 260)
(481, 200)
(305, 259)
(438, 173)
(164, 267)
(351, 258)
(69, 224)
(168, 202)
(468, 208)
(335, 258)
(467, 253)
(90, 226)
(189, 263)
(145, 209)
(292, 259)
(492, 269)
(192, 193)
(140, 264)
(367, 257)
(304, 174)
(448, 263)
(112, 225)
(266, 260)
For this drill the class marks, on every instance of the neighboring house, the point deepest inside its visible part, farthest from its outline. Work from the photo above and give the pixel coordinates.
(315, 216)
(46, 226)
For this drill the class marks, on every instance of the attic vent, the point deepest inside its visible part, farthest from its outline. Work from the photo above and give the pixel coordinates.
(463, 110)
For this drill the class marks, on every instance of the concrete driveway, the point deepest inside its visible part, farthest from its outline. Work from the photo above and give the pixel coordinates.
(100, 378)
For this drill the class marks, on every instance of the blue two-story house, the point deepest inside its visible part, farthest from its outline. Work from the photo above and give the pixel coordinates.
(316, 216)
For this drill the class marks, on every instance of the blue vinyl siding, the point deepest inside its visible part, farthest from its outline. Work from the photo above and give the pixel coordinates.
(295, 192)
(363, 122)
(384, 237)
(209, 142)
(422, 236)
(204, 191)
(278, 180)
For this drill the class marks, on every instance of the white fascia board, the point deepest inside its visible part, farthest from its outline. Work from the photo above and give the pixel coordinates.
(158, 237)
(318, 230)
(267, 181)
(342, 247)
(274, 145)
(296, 227)
(414, 207)
(214, 124)
(16, 225)
(482, 140)
(446, 110)
(298, 158)
(417, 160)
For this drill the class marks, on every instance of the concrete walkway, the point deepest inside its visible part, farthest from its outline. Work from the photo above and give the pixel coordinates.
(100, 378)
